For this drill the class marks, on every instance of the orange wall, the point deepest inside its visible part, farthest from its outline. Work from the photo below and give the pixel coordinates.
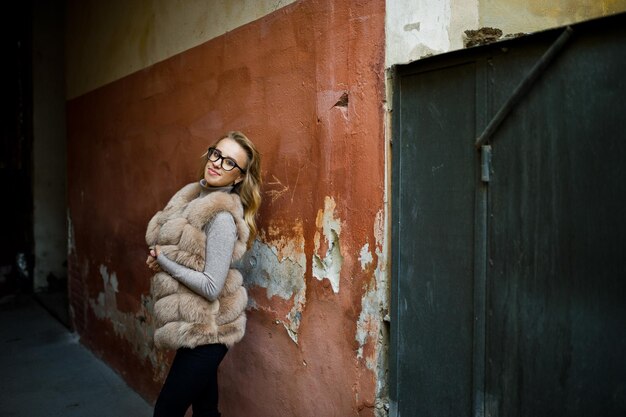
(134, 142)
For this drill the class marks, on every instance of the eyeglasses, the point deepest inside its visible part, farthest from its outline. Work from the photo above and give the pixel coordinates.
(228, 164)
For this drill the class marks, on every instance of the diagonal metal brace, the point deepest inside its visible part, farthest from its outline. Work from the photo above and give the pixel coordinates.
(524, 86)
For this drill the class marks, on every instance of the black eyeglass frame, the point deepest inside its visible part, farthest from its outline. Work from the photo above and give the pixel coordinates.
(210, 152)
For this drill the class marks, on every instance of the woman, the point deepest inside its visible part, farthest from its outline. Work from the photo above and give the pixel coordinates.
(200, 301)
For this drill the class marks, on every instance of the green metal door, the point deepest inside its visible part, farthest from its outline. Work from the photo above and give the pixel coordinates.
(509, 291)
(435, 193)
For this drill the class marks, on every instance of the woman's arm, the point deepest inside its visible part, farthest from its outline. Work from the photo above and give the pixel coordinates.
(220, 241)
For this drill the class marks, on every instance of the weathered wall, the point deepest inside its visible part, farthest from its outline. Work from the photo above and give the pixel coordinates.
(109, 40)
(418, 28)
(514, 16)
(306, 84)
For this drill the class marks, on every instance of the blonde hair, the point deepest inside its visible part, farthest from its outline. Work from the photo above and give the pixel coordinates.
(249, 189)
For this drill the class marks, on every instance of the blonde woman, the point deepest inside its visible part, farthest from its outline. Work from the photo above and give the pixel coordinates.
(199, 298)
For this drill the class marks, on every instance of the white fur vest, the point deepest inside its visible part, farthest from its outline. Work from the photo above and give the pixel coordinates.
(184, 318)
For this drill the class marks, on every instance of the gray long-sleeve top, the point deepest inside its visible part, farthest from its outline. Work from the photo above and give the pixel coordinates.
(221, 235)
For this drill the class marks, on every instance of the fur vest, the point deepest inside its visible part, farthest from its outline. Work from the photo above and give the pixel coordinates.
(184, 318)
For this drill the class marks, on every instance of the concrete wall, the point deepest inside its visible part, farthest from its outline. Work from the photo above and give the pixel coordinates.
(306, 83)
(49, 156)
(418, 28)
(109, 40)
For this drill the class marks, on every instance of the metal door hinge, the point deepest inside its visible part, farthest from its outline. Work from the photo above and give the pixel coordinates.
(485, 163)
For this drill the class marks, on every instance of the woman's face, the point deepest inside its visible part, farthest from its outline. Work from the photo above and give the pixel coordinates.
(215, 175)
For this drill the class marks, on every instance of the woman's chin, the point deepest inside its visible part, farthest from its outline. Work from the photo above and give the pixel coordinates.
(214, 182)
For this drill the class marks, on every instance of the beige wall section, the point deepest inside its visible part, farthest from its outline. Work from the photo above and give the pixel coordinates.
(109, 40)
(418, 28)
(513, 16)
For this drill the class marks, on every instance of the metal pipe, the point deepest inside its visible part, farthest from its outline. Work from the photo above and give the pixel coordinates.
(524, 86)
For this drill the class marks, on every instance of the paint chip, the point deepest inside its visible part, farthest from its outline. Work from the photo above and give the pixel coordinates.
(329, 266)
(365, 257)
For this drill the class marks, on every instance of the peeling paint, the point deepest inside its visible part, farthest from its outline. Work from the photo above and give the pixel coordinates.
(280, 276)
(278, 266)
(374, 312)
(374, 307)
(379, 228)
(136, 328)
(365, 257)
(295, 316)
(367, 325)
(329, 266)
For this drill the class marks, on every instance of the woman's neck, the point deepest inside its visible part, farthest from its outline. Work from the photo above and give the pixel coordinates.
(206, 189)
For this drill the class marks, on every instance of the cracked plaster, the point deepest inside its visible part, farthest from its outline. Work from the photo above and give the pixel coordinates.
(135, 328)
(279, 266)
(329, 266)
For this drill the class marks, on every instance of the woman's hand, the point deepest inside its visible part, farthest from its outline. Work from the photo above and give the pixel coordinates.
(151, 261)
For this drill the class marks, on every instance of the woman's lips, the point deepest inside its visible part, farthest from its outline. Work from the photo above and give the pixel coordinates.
(212, 172)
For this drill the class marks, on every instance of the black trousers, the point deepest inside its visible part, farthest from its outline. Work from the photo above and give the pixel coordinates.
(192, 381)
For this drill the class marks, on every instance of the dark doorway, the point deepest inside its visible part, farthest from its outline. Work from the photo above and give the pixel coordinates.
(33, 248)
(16, 142)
